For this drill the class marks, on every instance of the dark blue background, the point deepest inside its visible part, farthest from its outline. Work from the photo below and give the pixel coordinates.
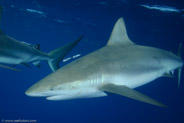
(94, 19)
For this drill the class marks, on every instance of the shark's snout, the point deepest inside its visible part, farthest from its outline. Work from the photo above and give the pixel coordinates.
(29, 92)
(36, 91)
(32, 92)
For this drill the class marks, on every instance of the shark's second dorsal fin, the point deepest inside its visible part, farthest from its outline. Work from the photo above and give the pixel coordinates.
(119, 34)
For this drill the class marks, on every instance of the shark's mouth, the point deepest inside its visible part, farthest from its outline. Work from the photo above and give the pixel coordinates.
(54, 97)
(77, 95)
(35, 94)
(61, 97)
(41, 94)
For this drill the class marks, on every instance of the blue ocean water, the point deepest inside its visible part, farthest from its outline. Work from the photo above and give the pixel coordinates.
(53, 23)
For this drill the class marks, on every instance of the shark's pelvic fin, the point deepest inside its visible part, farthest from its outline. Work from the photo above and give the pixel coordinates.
(169, 74)
(7, 67)
(130, 93)
(37, 64)
(119, 34)
(58, 54)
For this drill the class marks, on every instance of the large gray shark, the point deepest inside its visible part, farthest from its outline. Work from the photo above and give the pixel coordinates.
(119, 67)
(16, 52)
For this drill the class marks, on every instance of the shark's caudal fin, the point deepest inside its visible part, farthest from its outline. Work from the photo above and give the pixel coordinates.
(179, 69)
(130, 93)
(119, 34)
(1, 12)
(58, 54)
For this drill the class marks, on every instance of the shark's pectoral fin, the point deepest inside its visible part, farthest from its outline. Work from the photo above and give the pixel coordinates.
(128, 92)
(7, 67)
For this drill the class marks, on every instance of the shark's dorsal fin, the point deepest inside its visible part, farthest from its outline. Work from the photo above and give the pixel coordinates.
(119, 34)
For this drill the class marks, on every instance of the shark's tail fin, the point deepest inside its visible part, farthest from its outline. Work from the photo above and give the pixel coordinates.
(179, 69)
(58, 54)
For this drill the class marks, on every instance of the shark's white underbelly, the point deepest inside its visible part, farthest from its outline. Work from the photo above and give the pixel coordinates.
(131, 81)
(77, 91)
(18, 58)
(10, 60)
(90, 88)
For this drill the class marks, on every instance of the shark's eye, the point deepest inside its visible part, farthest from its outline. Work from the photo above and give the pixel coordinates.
(51, 88)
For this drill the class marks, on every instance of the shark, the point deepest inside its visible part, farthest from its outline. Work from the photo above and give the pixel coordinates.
(15, 52)
(119, 67)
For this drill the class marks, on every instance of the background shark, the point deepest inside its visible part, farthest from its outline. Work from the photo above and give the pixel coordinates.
(16, 52)
(118, 67)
